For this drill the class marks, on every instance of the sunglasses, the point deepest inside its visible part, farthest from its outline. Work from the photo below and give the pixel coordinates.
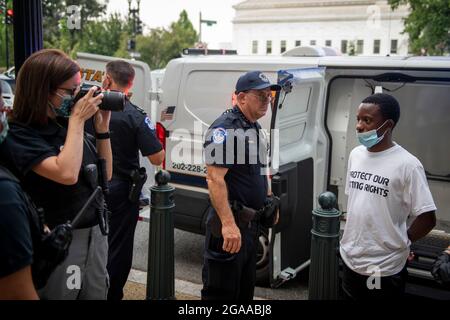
(261, 95)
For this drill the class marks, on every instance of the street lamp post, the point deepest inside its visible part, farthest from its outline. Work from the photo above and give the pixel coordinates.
(136, 24)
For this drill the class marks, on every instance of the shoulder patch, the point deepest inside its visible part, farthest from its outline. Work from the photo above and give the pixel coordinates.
(219, 135)
(149, 123)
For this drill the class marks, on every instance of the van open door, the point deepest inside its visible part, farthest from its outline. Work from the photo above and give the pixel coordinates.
(299, 151)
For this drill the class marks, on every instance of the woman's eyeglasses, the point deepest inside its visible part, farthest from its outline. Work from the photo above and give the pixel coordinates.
(71, 91)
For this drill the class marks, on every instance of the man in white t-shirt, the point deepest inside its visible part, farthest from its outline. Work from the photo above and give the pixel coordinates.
(389, 205)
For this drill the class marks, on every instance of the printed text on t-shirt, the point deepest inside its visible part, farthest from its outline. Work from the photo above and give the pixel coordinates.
(367, 186)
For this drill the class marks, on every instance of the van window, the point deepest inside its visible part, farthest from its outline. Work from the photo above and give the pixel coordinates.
(210, 92)
(424, 125)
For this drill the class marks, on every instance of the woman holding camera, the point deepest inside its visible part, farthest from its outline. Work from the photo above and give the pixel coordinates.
(49, 151)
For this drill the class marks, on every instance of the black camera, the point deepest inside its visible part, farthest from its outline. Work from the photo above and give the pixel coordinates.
(112, 100)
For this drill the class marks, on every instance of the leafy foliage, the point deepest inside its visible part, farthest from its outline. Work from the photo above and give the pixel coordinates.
(106, 35)
(428, 25)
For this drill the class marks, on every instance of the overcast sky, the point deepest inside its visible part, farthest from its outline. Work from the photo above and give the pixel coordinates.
(160, 13)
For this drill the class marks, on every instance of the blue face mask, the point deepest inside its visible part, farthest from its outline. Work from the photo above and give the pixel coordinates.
(370, 138)
(4, 126)
(65, 107)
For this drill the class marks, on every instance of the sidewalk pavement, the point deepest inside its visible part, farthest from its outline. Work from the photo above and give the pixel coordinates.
(135, 288)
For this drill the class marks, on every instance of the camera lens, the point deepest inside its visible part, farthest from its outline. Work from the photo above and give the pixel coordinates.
(113, 100)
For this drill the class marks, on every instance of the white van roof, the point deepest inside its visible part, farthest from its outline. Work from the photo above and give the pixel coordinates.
(398, 62)
(391, 62)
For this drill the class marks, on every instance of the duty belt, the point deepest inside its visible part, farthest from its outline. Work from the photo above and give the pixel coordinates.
(244, 215)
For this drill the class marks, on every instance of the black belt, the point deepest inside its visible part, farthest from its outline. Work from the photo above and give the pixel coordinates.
(119, 176)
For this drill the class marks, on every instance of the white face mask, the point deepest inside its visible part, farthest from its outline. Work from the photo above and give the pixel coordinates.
(371, 138)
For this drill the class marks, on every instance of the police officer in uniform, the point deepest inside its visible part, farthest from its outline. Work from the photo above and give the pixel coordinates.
(49, 151)
(131, 131)
(16, 249)
(238, 189)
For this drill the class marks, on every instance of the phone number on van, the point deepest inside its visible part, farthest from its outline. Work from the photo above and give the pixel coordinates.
(189, 167)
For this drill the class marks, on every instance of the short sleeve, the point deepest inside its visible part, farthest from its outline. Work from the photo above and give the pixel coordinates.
(16, 249)
(419, 193)
(219, 146)
(24, 149)
(347, 181)
(146, 139)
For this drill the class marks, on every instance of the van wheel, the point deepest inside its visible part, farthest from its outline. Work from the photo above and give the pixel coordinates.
(262, 259)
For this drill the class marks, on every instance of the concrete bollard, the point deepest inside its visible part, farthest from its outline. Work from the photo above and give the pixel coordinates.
(161, 261)
(324, 268)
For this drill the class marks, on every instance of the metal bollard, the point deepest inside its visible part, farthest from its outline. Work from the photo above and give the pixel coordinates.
(324, 268)
(161, 264)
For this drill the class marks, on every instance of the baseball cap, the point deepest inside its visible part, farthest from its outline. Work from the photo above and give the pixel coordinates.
(255, 80)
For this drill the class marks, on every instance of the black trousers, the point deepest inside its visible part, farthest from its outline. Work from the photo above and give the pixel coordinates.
(123, 220)
(355, 286)
(230, 276)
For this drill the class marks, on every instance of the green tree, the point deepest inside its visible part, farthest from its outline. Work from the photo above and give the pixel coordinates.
(181, 35)
(55, 17)
(161, 45)
(428, 25)
(103, 36)
(151, 48)
(3, 41)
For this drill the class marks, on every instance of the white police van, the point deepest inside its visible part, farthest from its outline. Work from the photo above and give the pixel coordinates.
(316, 127)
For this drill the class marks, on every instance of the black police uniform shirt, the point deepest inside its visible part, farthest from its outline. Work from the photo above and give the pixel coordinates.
(244, 179)
(130, 130)
(16, 248)
(27, 146)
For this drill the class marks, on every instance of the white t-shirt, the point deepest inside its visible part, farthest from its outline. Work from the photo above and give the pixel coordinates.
(384, 189)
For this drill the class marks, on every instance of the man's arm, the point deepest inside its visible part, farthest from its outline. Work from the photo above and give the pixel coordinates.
(18, 286)
(157, 158)
(219, 197)
(423, 224)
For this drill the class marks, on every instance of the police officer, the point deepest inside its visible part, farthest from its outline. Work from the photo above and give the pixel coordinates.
(16, 249)
(48, 150)
(131, 131)
(236, 180)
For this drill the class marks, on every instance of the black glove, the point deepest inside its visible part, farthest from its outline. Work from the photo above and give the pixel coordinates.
(441, 269)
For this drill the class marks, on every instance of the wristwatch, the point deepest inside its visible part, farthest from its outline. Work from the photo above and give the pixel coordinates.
(102, 136)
